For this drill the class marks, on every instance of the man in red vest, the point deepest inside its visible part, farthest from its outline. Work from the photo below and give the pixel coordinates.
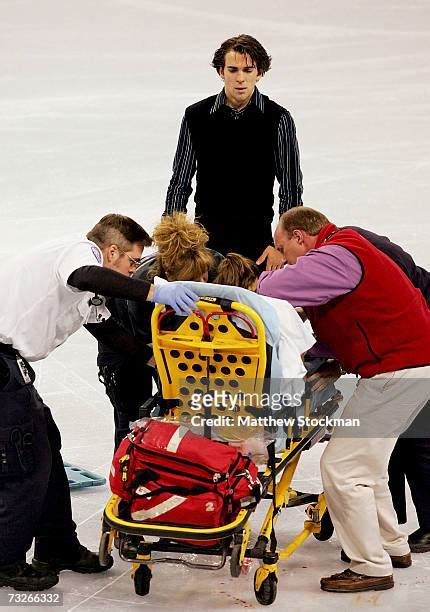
(372, 319)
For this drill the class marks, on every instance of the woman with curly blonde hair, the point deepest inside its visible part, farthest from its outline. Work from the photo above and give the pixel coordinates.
(181, 250)
(125, 370)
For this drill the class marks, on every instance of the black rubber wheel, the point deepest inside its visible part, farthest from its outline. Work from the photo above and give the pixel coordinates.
(235, 567)
(266, 594)
(327, 528)
(104, 556)
(142, 580)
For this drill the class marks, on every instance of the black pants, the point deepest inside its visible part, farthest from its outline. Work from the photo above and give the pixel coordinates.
(234, 237)
(34, 491)
(128, 386)
(410, 460)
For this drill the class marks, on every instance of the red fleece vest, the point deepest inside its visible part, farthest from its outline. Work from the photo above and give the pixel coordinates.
(382, 325)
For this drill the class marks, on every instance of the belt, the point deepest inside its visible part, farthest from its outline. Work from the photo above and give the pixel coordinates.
(7, 349)
(22, 364)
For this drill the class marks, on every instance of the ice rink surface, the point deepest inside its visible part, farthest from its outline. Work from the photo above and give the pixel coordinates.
(92, 93)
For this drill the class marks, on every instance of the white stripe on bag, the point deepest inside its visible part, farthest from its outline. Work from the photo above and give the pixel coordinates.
(165, 506)
(176, 439)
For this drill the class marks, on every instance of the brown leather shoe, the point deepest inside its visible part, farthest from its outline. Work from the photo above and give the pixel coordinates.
(396, 560)
(401, 560)
(351, 582)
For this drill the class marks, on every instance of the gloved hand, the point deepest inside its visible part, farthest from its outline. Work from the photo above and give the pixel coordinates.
(176, 295)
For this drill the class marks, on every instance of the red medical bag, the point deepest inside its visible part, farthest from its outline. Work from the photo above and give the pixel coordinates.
(171, 476)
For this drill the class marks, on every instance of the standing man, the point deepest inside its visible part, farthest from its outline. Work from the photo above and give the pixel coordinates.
(410, 458)
(411, 455)
(377, 324)
(47, 296)
(239, 141)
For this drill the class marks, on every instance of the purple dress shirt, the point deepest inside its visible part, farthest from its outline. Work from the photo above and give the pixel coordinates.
(316, 278)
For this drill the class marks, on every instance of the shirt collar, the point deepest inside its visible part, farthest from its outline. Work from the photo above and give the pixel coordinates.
(325, 234)
(221, 100)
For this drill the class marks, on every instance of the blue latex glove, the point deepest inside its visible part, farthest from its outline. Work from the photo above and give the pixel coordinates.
(176, 295)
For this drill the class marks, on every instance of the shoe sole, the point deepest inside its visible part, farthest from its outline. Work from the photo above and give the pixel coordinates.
(41, 565)
(384, 587)
(26, 587)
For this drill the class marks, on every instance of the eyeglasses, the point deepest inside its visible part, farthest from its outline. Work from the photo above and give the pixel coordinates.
(135, 262)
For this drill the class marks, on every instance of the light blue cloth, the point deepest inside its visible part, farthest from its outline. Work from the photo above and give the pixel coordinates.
(271, 322)
(267, 313)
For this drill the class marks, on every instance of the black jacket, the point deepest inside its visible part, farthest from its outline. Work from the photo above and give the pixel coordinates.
(419, 277)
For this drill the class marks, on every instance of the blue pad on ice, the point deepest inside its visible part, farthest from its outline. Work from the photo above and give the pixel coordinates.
(79, 477)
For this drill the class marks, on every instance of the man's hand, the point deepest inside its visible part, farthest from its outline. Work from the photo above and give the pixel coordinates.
(273, 258)
(327, 373)
(176, 295)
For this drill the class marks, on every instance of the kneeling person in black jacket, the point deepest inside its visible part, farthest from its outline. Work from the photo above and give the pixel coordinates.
(123, 360)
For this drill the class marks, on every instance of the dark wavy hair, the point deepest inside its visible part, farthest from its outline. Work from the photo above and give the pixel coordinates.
(243, 44)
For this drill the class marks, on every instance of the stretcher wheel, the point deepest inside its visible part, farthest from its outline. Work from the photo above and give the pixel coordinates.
(327, 528)
(266, 594)
(142, 580)
(235, 567)
(104, 556)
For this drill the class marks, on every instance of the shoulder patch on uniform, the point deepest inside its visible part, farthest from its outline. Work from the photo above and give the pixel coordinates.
(96, 254)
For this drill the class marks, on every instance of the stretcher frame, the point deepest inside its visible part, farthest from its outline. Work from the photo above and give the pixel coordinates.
(193, 334)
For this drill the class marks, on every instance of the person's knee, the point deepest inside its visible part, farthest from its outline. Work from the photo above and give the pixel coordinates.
(329, 473)
(335, 468)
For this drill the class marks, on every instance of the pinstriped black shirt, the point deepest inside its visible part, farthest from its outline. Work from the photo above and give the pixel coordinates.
(286, 153)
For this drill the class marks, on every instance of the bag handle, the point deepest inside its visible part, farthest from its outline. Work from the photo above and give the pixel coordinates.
(142, 477)
(175, 490)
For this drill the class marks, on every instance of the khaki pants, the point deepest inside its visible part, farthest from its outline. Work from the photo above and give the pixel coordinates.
(354, 467)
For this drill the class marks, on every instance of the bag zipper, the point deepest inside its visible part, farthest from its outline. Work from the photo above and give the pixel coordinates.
(163, 468)
(216, 476)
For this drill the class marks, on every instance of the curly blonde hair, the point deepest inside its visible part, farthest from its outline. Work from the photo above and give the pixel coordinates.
(182, 252)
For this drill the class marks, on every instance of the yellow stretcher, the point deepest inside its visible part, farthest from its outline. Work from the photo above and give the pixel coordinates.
(204, 352)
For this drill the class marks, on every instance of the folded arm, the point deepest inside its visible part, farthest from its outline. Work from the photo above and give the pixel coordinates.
(317, 278)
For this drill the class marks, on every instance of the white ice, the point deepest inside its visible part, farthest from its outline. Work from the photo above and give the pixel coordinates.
(92, 93)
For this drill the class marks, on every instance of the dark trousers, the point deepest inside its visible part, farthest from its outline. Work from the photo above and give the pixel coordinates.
(34, 491)
(410, 460)
(234, 237)
(128, 386)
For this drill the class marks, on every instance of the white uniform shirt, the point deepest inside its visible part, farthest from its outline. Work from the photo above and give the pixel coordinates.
(38, 309)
